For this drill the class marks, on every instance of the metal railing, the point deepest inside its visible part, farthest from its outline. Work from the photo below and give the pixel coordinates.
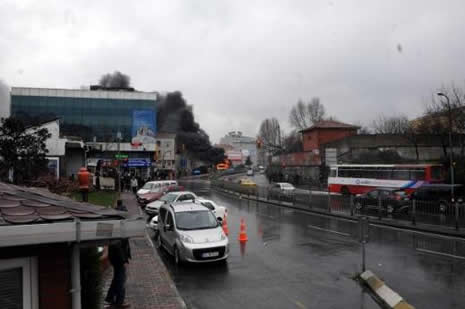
(410, 212)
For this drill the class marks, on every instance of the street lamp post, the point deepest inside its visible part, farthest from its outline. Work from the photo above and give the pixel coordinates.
(451, 162)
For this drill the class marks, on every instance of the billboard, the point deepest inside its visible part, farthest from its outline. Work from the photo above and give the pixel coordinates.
(143, 126)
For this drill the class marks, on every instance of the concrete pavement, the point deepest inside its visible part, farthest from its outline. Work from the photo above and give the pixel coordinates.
(149, 285)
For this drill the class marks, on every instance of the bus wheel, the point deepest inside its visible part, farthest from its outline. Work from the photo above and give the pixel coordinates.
(345, 191)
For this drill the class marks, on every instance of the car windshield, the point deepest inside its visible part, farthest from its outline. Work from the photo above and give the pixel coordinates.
(147, 186)
(169, 197)
(195, 220)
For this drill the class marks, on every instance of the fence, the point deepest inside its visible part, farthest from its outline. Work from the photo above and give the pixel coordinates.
(410, 212)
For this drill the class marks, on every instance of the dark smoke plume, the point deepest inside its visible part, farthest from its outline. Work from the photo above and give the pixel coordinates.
(175, 116)
(115, 80)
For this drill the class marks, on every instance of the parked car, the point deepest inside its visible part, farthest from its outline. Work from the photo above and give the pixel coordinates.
(439, 196)
(218, 211)
(182, 196)
(147, 198)
(191, 233)
(392, 200)
(281, 190)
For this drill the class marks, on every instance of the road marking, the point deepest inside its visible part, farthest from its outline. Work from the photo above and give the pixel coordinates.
(440, 253)
(329, 231)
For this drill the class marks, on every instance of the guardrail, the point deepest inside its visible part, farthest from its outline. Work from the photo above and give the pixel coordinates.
(407, 211)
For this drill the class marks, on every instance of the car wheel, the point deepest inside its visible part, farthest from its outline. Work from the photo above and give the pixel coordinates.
(358, 206)
(177, 259)
(442, 207)
(390, 209)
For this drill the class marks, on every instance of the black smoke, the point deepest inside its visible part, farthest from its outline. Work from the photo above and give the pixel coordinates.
(175, 116)
(115, 80)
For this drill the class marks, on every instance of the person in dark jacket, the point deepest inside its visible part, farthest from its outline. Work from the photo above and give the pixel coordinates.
(119, 254)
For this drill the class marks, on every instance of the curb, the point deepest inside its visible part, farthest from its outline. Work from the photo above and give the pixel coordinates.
(385, 293)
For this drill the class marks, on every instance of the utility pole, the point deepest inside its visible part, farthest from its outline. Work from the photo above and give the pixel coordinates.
(451, 158)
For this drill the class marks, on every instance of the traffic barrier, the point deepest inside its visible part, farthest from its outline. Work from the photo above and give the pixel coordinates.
(225, 226)
(243, 233)
(388, 296)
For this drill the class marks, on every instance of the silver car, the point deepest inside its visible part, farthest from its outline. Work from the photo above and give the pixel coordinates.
(191, 233)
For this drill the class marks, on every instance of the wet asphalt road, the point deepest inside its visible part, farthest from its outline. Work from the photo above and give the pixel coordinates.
(292, 261)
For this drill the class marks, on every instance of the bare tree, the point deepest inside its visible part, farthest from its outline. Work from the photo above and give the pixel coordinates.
(303, 115)
(115, 80)
(271, 135)
(390, 125)
(292, 142)
(398, 125)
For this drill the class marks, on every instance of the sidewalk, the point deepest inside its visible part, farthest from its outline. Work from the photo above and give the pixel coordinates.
(149, 284)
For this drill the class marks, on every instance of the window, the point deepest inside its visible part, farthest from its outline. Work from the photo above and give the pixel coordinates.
(18, 283)
(169, 219)
(162, 215)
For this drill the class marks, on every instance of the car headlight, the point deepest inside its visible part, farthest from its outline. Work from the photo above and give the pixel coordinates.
(186, 239)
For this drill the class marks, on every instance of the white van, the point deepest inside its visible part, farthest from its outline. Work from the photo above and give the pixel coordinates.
(191, 233)
(156, 186)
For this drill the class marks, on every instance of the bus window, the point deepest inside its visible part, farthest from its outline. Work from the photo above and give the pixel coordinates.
(417, 174)
(400, 174)
(436, 173)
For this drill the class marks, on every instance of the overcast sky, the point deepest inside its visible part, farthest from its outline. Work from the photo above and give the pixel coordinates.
(239, 62)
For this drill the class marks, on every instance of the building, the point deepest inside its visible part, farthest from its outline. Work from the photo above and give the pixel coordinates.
(118, 122)
(41, 236)
(245, 144)
(65, 155)
(324, 132)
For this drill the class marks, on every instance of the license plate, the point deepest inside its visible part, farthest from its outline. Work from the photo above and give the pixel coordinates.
(210, 254)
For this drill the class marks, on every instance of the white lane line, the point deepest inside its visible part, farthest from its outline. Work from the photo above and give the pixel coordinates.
(329, 231)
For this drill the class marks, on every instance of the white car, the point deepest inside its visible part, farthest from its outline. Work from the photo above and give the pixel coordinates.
(191, 233)
(218, 211)
(171, 197)
(250, 172)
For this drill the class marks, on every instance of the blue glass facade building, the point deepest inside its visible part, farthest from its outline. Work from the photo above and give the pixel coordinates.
(92, 115)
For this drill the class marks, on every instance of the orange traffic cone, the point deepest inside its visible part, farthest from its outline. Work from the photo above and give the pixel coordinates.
(243, 234)
(225, 226)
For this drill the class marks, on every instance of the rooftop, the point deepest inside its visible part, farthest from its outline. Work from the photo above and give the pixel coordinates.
(330, 124)
(21, 205)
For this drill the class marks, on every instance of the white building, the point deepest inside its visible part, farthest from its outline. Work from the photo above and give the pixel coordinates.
(245, 144)
(65, 155)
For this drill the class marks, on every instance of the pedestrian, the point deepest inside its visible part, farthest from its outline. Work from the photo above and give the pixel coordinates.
(119, 254)
(134, 184)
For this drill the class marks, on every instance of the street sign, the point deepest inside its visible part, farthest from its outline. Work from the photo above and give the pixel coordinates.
(121, 156)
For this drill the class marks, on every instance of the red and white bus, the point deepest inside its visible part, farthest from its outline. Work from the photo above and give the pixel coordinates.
(361, 178)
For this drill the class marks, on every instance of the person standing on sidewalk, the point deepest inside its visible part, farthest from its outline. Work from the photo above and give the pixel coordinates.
(134, 184)
(119, 254)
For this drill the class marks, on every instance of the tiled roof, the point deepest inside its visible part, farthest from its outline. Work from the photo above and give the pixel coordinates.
(330, 124)
(21, 205)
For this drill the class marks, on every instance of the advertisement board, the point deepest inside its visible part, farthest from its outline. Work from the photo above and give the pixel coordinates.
(143, 126)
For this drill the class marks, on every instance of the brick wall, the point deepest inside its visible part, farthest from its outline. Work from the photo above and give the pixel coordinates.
(54, 272)
(314, 139)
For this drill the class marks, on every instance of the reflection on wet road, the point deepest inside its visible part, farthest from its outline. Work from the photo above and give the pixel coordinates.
(291, 261)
